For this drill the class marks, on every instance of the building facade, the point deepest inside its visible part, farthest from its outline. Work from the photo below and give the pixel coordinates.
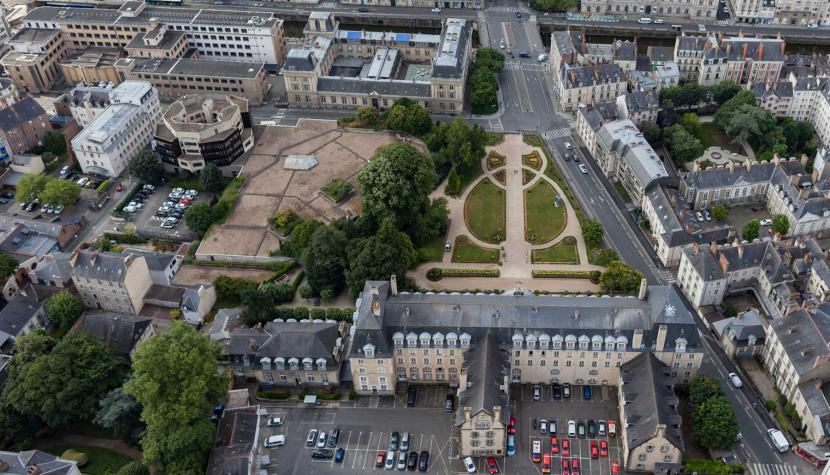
(91, 66)
(33, 61)
(23, 125)
(113, 282)
(664, 8)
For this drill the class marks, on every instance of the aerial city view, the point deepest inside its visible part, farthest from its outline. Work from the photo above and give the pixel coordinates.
(566, 237)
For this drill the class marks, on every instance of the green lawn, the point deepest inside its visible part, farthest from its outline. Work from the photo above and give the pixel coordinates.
(433, 251)
(563, 252)
(621, 191)
(101, 461)
(543, 220)
(711, 136)
(468, 175)
(484, 212)
(493, 138)
(466, 251)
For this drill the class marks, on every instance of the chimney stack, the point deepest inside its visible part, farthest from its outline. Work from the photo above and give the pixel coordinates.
(761, 52)
(713, 248)
(745, 51)
(393, 284)
(695, 248)
(643, 289)
(662, 332)
(637, 342)
(724, 263)
(34, 470)
(740, 251)
(497, 413)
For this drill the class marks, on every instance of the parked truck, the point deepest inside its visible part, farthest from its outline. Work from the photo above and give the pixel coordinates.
(781, 443)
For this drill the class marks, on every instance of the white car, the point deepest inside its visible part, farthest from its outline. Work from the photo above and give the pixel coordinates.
(390, 460)
(811, 24)
(572, 428)
(568, 146)
(168, 224)
(436, 10)
(736, 381)
(275, 441)
(470, 465)
(644, 20)
(274, 421)
(583, 169)
(766, 222)
(658, 21)
(321, 440)
(501, 44)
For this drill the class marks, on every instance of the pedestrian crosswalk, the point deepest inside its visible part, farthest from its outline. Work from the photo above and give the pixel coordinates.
(525, 67)
(274, 119)
(666, 275)
(496, 125)
(503, 9)
(772, 469)
(556, 134)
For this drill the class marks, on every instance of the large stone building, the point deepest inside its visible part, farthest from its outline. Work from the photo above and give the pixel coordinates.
(121, 131)
(700, 11)
(91, 66)
(113, 282)
(196, 130)
(428, 339)
(23, 125)
(583, 73)
(741, 59)
(340, 69)
(802, 98)
(33, 61)
(788, 12)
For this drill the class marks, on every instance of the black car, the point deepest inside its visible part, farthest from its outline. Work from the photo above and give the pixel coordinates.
(557, 391)
(580, 429)
(363, 10)
(448, 403)
(335, 434)
(592, 428)
(7, 194)
(518, 14)
(394, 440)
(412, 461)
(423, 461)
(411, 396)
(322, 454)
(161, 214)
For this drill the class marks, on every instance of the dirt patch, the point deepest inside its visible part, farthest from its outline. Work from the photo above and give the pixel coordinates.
(366, 144)
(334, 161)
(232, 241)
(272, 181)
(253, 210)
(193, 275)
(690, 445)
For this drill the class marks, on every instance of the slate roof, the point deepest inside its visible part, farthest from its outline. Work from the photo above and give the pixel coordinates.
(625, 50)
(236, 439)
(22, 111)
(16, 314)
(649, 400)
(55, 264)
(742, 327)
(640, 101)
(367, 86)
(758, 49)
(804, 337)
(98, 265)
(746, 256)
(487, 367)
(680, 226)
(120, 332)
(156, 261)
(448, 61)
(783, 89)
(584, 76)
(691, 43)
(661, 54)
(21, 462)
(287, 339)
(625, 139)
(723, 177)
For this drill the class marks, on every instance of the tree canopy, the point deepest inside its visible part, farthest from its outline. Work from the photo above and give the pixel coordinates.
(748, 124)
(8, 265)
(63, 309)
(719, 212)
(553, 5)
(592, 231)
(408, 116)
(324, 259)
(780, 224)
(30, 186)
(120, 412)
(199, 218)
(682, 145)
(146, 167)
(175, 380)
(483, 80)
(751, 230)
(457, 144)
(620, 277)
(61, 192)
(713, 421)
(211, 178)
(372, 259)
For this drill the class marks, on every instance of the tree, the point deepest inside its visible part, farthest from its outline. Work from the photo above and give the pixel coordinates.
(592, 231)
(796, 134)
(133, 468)
(408, 116)
(719, 212)
(387, 233)
(430, 224)
(119, 412)
(682, 145)
(146, 167)
(723, 91)
(30, 187)
(453, 182)
(780, 224)
(490, 59)
(690, 122)
(299, 238)
(368, 115)
(54, 143)
(372, 259)
(751, 230)
(324, 259)
(483, 92)
(748, 124)
(63, 309)
(326, 294)
(306, 292)
(66, 382)
(8, 265)
(176, 382)
(61, 192)
(396, 183)
(259, 304)
(725, 111)
(714, 423)
(620, 277)
(199, 218)
(553, 5)
(651, 132)
(211, 179)
(457, 145)
(702, 388)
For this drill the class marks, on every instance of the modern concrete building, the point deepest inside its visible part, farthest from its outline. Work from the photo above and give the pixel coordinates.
(112, 282)
(159, 41)
(197, 130)
(122, 130)
(33, 61)
(91, 66)
(23, 125)
(339, 69)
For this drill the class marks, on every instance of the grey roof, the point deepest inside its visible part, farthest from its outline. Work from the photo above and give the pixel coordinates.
(195, 67)
(34, 35)
(502, 315)
(411, 89)
(450, 58)
(171, 38)
(156, 261)
(649, 400)
(723, 177)
(98, 265)
(625, 50)
(22, 111)
(51, 227)
(660, 54)
(487, 367)
(804, 337)
(584, 76)
(782, 89)
(190, 299)
(235, 442)
(745, 256)
(680, 226)
(21, 462)
(691, 43)
(640, 101)
(625, 139)
(758, 49)
(287, 339)
(172, 16)
(743, 326)
(17, 313)
(597, 114)
(120, 332)
(55, 264)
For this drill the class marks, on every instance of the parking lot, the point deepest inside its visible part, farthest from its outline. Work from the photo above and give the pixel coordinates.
(148, 223)
(364, 432)
(602, 406)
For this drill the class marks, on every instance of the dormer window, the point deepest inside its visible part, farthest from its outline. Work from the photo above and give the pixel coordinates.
(397, 340)
(307, 364)
(680, 345)
(517, 341)
(425, 338)
(321, 364)
(266, 363)
(294, 364)
(465, 340)
(412, 340)
(438, 340)
(369, 350)
(544, 342)
(570, 342)
(452, 340)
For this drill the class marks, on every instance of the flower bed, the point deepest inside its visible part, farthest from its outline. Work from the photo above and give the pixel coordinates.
(500, 177)
(532, 160)
(436, 274)
(495, 160)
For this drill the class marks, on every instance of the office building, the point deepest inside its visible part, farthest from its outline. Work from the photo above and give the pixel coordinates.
(159, 41)
(32, 62)
(91, 66)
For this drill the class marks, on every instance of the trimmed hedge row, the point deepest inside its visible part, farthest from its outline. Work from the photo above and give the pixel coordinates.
(127, 198)
(437, 274)
(272, 394)
(593, 275)
(714, 467)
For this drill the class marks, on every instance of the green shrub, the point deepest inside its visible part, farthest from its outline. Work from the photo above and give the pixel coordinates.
(127, 198)
(435, 273)
(593, 275)
(125, 238)
(74, 455)
(770, 405)
(273, 394)
(713, 467)
(338, 189)
(352, 395)
(231, 288)
(103, 186)
(133, 468)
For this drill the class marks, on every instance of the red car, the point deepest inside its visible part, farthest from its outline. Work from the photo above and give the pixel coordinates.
(566, 465)
(574, 466)
(511, 427)
(603, 448)
(615, 467)
(566, 447)
(554, 445)
(491, 465)
(185, 201)
(594, 450)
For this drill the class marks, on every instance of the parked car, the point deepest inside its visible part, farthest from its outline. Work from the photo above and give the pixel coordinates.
(586, 392)
(612, 428)
(537, 392)
(401, 460)
(557, 391)
(592, 428)
(594, 449)
(736, 381)
(615, 467)
(571, 428)
(583, 169)
(423, 461)
(412, 460)
(335, 434)
(511, 425)
(574, 466)
(554, 445)
(566, 447)
(707, 215)
(449, 403)
(546, 463)
(379, 458)
(644, 20)
(492, 466)
(552, 427)
(511, 445)
(580, 429)
(404, 445)
(321, 454)
(312, 437)
(411, 396)
(436, 10)
(566, 467)
(339, 455)
(274, 421)
(389, 464)
(275, 441)
(321, 440)
(601, 428)
(469, 465)
(766, 222)
(603, 448)
(566, 391)
(536, 454)
(394, 441)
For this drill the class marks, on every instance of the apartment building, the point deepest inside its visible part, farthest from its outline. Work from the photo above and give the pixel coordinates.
(109, 281)
(741, 336)
(586, 73)
(700, 10)
(753, 11)
(120, 332)
(802, 98)
(640, 107)
(674, 226)
(742, 60)
(426, 338)
(651, 440)
(339, 69)
(30, 462)
(84, 103)
(796, 354)
(786, 12)
(23, 125)
(122, 130)
(174, 78)
(32, 62)
(625, 156)
(590, 118)
(197, 130)
(688, 54)
(289, 353)
(91, 66)
(20, 316)
(474, 4)
(9, 93)
(215, 34)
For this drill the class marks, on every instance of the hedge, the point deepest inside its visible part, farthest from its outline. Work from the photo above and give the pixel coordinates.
(593, 275)
(230, 288)
(125, 238)
(714, 467)
(103, 186)
(127, 198)
(437, 274)
(272, 394)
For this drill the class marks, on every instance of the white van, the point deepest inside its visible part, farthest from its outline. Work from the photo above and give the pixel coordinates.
(736, 381)
(781, 443)
(644, 20)
(275, 441)
(542, 58)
